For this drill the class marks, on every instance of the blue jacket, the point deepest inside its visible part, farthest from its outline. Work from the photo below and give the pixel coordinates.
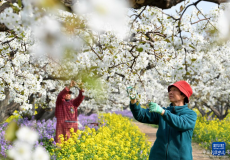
(174, 134)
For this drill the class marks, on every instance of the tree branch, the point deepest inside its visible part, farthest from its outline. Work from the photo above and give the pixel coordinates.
(216, 112)
(138, 16)
(164, 4)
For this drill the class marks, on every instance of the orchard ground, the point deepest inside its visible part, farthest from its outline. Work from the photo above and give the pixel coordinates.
(198, 152)
(205, 133)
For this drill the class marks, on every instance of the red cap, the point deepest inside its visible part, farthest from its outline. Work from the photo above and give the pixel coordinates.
(69, 92)
(184, 87)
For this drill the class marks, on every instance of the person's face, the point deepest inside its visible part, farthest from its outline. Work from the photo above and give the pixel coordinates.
(175, 95)
(67, 96)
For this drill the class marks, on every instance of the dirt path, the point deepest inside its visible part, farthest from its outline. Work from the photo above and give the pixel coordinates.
(197, 150)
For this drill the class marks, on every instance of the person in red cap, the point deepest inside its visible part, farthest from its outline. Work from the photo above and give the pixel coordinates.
(175, 123)
(66, 111)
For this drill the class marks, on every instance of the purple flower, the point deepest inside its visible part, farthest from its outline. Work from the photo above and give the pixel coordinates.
(90, 121)
(228, 151)
(125, 113)
(47, 129)
(5, 145)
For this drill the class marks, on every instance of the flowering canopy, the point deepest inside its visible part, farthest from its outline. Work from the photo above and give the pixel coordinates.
(46, 46)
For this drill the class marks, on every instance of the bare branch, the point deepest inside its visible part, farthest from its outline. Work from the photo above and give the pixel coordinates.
(205, 17)
(138, 16)
(200, 20)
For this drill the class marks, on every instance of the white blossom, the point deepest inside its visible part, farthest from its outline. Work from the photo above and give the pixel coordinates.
(27, 135)
(40, 154)
(20, 151)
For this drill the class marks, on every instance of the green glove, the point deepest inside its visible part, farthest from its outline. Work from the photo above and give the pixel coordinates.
(131, 92)
(154, 107)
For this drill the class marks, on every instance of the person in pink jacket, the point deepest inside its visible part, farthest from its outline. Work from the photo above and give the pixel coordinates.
(66, 111)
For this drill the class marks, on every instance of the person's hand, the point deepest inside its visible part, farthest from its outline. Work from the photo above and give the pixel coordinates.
(80, 85)
(131, 92)
(154, 107)
(72, 83)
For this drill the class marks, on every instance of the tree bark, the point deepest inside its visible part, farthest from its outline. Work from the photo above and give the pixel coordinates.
(137, 4)
(163, 4)
(3, 28)
(6, 108)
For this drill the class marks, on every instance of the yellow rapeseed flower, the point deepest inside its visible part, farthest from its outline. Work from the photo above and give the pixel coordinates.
(118, 139)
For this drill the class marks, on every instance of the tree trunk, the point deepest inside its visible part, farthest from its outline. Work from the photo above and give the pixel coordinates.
(6, 108)
(137, 4)
(163, 4)
(44, 114)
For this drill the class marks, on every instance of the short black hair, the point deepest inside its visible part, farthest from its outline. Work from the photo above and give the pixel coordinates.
(186, 98)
